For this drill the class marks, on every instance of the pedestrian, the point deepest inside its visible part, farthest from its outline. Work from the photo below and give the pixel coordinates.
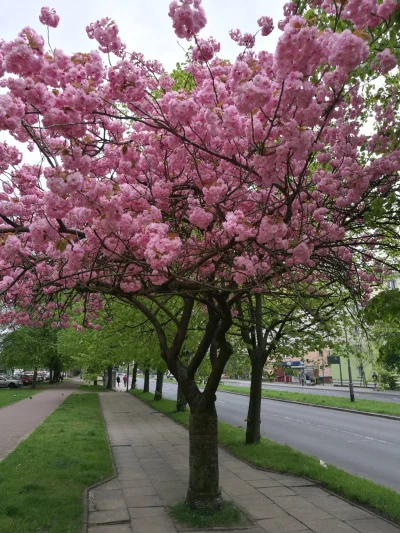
(375, 380)
(118, 380)
(59, 378)
(125, 378)
(62, 377)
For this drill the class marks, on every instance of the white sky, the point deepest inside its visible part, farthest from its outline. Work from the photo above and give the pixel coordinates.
(144, 24)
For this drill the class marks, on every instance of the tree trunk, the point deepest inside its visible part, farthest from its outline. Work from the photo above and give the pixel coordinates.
(146, 386)
(181, 402)
(254, 412)
(95, 382)
(134, 376)
(34, 378)
(109, 377)
(203, 492)
(159, 385)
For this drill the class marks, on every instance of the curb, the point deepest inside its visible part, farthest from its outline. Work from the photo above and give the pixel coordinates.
(85, 525)
(317, 483)
(343, 409)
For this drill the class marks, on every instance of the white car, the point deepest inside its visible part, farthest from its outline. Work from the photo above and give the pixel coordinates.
(10, 382)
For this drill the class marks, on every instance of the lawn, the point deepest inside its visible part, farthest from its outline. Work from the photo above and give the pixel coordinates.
(9, 396)
(42, 481)
(367, 406)
(284, 459)
(92, 388)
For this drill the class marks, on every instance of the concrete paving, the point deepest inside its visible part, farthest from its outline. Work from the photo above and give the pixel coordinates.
(151, 455)
(18, 420)
(359, 444)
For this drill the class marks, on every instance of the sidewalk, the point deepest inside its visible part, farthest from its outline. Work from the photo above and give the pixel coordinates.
(19, 419)
(151, 454)
(327, 386)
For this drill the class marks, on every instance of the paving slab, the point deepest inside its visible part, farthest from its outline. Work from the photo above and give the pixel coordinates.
(151, 453)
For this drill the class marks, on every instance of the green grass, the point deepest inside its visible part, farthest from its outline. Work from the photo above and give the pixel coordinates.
(366, 406)
(227, 516)
(93, 388)
(9, 396)
(284, 459)
(43, 479)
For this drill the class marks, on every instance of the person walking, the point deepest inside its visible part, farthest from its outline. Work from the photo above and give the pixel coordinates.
(375, 380)
(125, 378)
(118, 380)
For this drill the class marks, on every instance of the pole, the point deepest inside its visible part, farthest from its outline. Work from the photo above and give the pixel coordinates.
(127, 379)
(350, 381)
(349, 366)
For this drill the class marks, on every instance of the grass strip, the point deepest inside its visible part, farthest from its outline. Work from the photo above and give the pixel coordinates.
(284, 459)
(93, 388)
(10, 396)
(228, 515)
(366, 406)
(43, 479)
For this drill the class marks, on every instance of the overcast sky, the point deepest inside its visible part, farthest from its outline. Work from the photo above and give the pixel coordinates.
(144, 24)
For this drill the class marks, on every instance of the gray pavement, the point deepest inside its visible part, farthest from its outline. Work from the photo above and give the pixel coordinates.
(18, 420)
(151, 454)
(362, 393)
(366, 446)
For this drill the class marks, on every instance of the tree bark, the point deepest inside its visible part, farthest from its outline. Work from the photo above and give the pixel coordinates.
(34, 378)
(146, 385)
(203, 492)
(254, 411)
(134, 376)
(159, 385)
(109, 377)
(181, 402)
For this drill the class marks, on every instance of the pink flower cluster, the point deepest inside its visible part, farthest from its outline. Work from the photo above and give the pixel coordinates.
(49, 17)
(205, 49)
(243, 39)
(105, 32)
(188, 17)
(387, 61)
(266, 24)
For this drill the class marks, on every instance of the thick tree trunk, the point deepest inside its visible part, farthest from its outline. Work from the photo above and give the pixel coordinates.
(34, 378)
(181, 402)
(146, 386)
(109, 377)
(203, 492)
(254, 412)
(159, 385)
(134, 376)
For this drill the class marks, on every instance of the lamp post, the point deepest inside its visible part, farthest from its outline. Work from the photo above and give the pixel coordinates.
(351, 387)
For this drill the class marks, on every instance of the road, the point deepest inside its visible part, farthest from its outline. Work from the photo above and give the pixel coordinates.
(329, 390)
(362, 445)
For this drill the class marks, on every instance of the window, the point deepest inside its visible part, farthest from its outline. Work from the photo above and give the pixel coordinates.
(360, 372)
(392, 284)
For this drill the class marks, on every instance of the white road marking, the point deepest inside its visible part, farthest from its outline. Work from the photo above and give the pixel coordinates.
(335, 429)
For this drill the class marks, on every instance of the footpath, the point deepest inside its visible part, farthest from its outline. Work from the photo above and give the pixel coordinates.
(19, 419)
(151, 456)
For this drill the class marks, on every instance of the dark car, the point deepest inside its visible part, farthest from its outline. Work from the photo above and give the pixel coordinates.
(26, 380)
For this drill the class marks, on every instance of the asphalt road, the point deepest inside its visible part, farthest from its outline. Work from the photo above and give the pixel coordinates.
(362, 394)
(363, 445)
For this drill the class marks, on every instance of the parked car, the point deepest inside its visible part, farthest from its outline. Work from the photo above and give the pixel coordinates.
(10, 382)
(26, 380)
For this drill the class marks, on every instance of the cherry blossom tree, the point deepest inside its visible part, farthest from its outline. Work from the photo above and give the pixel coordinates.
(255, 177)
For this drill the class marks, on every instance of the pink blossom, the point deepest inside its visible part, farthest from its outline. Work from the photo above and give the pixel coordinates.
(266, 24)
(49, 17)
(188, 18)
(105, 31)
(387, 61)
(205, 49)
(200, 217)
